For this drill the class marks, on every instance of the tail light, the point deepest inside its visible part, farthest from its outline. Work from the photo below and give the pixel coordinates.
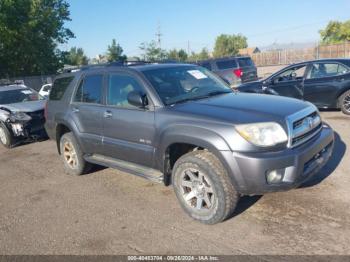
(45, 110)
(238, 72)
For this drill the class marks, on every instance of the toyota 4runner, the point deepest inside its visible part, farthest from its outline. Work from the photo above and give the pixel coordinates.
(180, 124)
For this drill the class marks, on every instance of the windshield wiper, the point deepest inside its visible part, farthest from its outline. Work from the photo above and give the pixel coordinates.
(215, 93)
(210, 94)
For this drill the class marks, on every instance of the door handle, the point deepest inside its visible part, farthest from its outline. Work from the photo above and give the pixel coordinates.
(107, 114)
(75, 110)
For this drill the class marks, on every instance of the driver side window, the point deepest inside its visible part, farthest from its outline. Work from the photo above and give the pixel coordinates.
(119, 87)
(291, 74)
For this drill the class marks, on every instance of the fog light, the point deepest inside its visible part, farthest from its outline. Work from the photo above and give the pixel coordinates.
(275, 176)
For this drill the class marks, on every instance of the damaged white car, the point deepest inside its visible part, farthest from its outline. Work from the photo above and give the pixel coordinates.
(21, 115)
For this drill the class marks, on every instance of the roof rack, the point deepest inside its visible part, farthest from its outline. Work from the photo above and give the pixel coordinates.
(115, 63)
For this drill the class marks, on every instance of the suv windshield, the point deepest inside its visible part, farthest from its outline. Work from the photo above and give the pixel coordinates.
(184, 83)
(18, 96)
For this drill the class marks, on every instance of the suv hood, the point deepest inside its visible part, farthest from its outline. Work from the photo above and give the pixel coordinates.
(239, 108)
(30, 106)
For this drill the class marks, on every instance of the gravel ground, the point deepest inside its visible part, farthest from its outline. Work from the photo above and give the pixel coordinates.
(44, 211)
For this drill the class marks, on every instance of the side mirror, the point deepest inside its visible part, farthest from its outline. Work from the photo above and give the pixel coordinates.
(268, 82)
(137, 99)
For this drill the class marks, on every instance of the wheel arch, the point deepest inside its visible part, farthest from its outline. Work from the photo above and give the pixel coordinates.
(63, 127)
(178, 141)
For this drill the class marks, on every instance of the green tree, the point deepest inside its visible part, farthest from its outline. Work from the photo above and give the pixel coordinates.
(30, 32)
(202, 55)
(179, 55)
(76, 56)
(151, 52)
(229, 45)
(336, 32)
(115, 52)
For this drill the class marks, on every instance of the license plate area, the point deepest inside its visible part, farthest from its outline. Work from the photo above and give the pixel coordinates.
(318, 159)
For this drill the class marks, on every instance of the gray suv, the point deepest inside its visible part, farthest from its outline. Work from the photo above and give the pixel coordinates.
(234, 70)
(180, 124)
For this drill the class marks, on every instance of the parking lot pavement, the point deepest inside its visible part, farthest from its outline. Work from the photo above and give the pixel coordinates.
(44, 211)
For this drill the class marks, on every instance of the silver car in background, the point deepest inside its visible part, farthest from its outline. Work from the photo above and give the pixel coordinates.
(21, 115)
(234, 70)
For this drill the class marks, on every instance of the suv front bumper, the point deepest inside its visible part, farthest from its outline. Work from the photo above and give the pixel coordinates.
(248, 170)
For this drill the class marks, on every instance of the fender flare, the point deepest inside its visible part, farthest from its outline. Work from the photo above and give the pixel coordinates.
(198, 136)
(70, 124)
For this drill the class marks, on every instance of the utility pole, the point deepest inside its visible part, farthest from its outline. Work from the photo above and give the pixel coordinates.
(159, 35)
(159, 41)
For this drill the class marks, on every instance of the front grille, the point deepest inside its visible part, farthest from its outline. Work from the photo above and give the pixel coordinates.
(303, 125)
(298, 139)
(298, 123)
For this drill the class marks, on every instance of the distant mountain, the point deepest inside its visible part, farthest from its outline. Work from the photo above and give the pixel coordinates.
(282, 46)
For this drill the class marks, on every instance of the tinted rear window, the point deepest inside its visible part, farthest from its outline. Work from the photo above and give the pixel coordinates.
(59, 87)
(90, 90)
(206, 65)
(226, 64)
(244, 62)
(346, 62)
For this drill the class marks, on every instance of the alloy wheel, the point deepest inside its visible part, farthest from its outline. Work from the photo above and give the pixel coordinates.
(346, 103)
(70, 155)
(197, 190)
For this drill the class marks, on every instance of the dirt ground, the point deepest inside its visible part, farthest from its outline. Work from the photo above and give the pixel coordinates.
(44, 211)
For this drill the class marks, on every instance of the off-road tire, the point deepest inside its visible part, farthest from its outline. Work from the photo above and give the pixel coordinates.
(342, 102)
(9, 139)
(226, 197)
(81, 167)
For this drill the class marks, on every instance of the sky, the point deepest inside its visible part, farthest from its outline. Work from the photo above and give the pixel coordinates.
(196, 23)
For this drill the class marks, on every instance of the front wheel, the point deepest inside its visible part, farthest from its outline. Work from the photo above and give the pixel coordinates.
(203, 187)
(344, 102)
(6, 138)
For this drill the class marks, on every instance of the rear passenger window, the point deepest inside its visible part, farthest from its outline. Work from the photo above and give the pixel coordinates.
(226, 64)
(320, 70)
(59, 88)
(245, 62)
(90, 90)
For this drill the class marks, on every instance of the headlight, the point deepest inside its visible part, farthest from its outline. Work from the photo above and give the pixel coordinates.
(263, 134)
(20, 116)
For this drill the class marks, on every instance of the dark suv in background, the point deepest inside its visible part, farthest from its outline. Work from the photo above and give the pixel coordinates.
(234, 70)
(181, 124)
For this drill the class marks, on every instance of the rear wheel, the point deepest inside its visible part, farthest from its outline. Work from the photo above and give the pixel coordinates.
(6, 138)
(344, 102)
(203, 187)
(73, 160)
